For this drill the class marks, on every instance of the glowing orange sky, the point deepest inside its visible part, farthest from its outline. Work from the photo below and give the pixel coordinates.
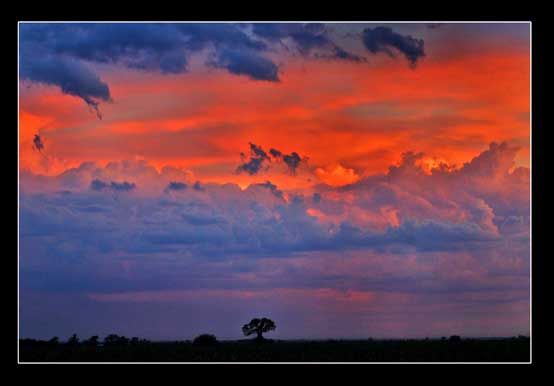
(350, 119)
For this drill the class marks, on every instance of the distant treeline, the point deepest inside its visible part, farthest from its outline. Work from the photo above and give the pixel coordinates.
(206, 348)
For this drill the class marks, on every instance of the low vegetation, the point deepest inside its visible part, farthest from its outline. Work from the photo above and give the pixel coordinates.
(206, 348)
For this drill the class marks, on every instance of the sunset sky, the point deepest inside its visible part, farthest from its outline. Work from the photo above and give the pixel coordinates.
(346, 180)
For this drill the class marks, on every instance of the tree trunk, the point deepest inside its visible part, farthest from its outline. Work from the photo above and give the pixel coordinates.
(259, 337)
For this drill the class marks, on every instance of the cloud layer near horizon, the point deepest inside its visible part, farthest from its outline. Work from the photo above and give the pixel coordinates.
(407, 231)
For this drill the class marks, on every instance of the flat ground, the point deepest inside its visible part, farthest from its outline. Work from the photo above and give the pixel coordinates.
(435, 350)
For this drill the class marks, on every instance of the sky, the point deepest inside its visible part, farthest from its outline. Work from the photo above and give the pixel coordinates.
(347, 180)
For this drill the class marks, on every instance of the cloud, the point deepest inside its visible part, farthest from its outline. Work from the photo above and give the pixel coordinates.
(65, 55)
(405, 208)
(124, 186)
(316, 197)
(149, 46)
(311, 38)
(198, 186)
(258, 151)
(337, 175)
(98, 185)
(254, 163)
(292, 160)
(177, 186)
(275, 153)
(252, 166)
(37, 142)
(73, 78)
(272, 188)
(56, 54)
(441, 242)
(258, 158)
(247, 63)
(383, 39)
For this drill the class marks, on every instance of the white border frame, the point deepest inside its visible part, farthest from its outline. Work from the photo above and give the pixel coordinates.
(326, 22)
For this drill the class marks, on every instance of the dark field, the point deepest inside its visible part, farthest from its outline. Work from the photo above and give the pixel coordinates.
(428, 350)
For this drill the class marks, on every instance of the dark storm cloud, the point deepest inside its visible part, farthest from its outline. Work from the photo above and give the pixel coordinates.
(384, 39)
(72, 76)
(247, 63)
(150, 46)
(307, 37)
(61, 54)
(55, 53)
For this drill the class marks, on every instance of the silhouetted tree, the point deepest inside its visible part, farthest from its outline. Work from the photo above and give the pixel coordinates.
(454, 339)
(205, 340)
(115, 340)
(74, 340)
(54, 341)
(258, 326)
(92, 341)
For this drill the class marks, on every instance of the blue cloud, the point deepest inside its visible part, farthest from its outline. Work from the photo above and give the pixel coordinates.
(73, 77)
(307, 37)
(175, 185)
(383, 39)
(248, 63)
(55, 53)
(124, 186)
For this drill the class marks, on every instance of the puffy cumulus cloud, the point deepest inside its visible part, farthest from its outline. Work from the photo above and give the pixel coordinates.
(384, 39)
(405, 209)
(484, 192)
(272, 188)
(117, 175)
(337, 175)
(431, 236)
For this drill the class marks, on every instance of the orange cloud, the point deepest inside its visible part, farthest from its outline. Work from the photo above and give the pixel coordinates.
(337, 114)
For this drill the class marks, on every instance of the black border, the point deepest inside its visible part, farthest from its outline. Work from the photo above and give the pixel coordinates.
(516, 373)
